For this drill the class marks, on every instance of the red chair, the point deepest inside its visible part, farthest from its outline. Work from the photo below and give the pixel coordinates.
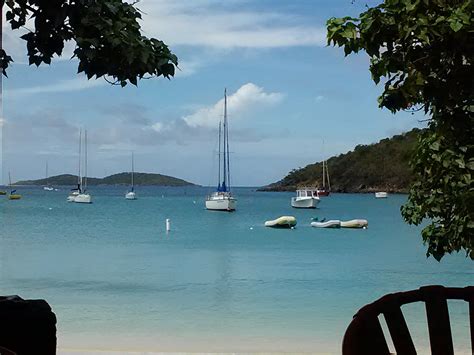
(365, 336)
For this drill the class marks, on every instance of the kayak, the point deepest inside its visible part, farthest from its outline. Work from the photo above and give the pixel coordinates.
(282, 222)
(355, 223)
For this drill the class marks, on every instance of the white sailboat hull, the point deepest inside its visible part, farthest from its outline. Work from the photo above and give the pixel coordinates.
(381, 194)
(131, 195)
(304, 202)
(46, 188)
(83, 198)
(223, 203)
(72, 196)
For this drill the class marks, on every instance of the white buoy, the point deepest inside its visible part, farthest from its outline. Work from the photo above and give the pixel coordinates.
(168, 225)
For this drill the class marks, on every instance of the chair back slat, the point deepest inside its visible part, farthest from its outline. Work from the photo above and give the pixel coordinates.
(437, 314)
(355, 341)
(471, 319)
(399, 332)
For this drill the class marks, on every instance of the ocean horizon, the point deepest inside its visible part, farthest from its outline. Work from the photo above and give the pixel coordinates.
(217, 282)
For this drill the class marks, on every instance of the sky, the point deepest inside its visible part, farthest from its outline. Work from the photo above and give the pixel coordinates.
(292, 100)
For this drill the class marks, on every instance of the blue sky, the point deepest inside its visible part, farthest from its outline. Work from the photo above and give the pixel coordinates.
(292, 99)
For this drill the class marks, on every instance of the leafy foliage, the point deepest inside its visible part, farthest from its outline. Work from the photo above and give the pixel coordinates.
(376, 167)
(424, 51)
(106, 32)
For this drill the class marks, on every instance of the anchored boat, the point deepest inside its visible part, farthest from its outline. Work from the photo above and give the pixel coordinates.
(222, 199)
(131, 195)
(282, 222)
(305, 198)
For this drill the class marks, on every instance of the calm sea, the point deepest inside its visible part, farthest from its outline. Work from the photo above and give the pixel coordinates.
(218, 281)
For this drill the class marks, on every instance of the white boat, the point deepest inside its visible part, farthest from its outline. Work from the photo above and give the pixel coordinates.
(381, 194)
(332, 223)
(222, 199)
(305, 198)
(72, 196)
(355, 223)
(83, 196)
(282, 222)
(76, 191)
(131, 195)
(47, 187)
(12, 195)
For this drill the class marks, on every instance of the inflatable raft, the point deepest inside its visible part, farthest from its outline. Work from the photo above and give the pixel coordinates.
(282, 222)
(332, 223)
(355, 223)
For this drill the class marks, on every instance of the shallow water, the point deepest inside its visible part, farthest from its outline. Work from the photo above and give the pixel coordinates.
(218, 281)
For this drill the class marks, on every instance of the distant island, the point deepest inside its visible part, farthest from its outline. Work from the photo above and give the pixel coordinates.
(383, 166)
(116, 179)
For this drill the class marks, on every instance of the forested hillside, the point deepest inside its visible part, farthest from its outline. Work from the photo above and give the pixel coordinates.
(380, 166)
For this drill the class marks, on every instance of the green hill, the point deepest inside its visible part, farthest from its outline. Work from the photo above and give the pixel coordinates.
(116, 179)
(382, 166)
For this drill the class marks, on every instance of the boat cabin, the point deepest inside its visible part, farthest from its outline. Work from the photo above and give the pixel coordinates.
(307, 192)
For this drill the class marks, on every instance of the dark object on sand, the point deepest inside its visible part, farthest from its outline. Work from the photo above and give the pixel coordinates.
(364, 336)
(27, 327)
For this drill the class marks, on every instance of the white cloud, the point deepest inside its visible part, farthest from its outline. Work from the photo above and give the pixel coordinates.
(246, 98)
(214, 24)
(78, 83)
(319, 98)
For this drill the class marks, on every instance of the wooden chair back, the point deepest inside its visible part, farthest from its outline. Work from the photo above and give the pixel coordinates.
(365, 336)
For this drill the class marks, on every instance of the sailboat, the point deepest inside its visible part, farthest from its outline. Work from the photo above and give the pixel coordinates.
(12, 194)
(324, 191)
(131, 195)
(76, 191)
(222, 199)
(47, 187)
(83, 196)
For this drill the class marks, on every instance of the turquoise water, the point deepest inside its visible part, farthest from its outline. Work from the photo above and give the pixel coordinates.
(218, 281)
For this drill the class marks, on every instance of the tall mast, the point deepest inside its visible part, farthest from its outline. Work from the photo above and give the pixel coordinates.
(219, 158)
(46, 173)
(327, 174)
(227, 139)
(85, 160)
(224, 184)
(324, 170)
(132, 173)
(1, 98)
(79, 178)
(324, 174)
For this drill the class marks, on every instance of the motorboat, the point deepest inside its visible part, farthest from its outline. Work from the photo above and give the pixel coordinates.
(305, 198)
(282, 222)
(381, 194)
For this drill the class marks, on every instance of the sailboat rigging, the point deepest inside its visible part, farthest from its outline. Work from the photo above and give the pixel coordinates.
(47, 187)
(131, 195)
(222, 199)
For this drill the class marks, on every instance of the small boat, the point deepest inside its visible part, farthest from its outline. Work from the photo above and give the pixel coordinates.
(222, 199)
(305, 198)
(81, 195)
(3, 193)
(324, 191)
(131, 195)
(282, 222)
(12, 195)
(47, 187)
(355, 223)
(381, 194)
(332, 223)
